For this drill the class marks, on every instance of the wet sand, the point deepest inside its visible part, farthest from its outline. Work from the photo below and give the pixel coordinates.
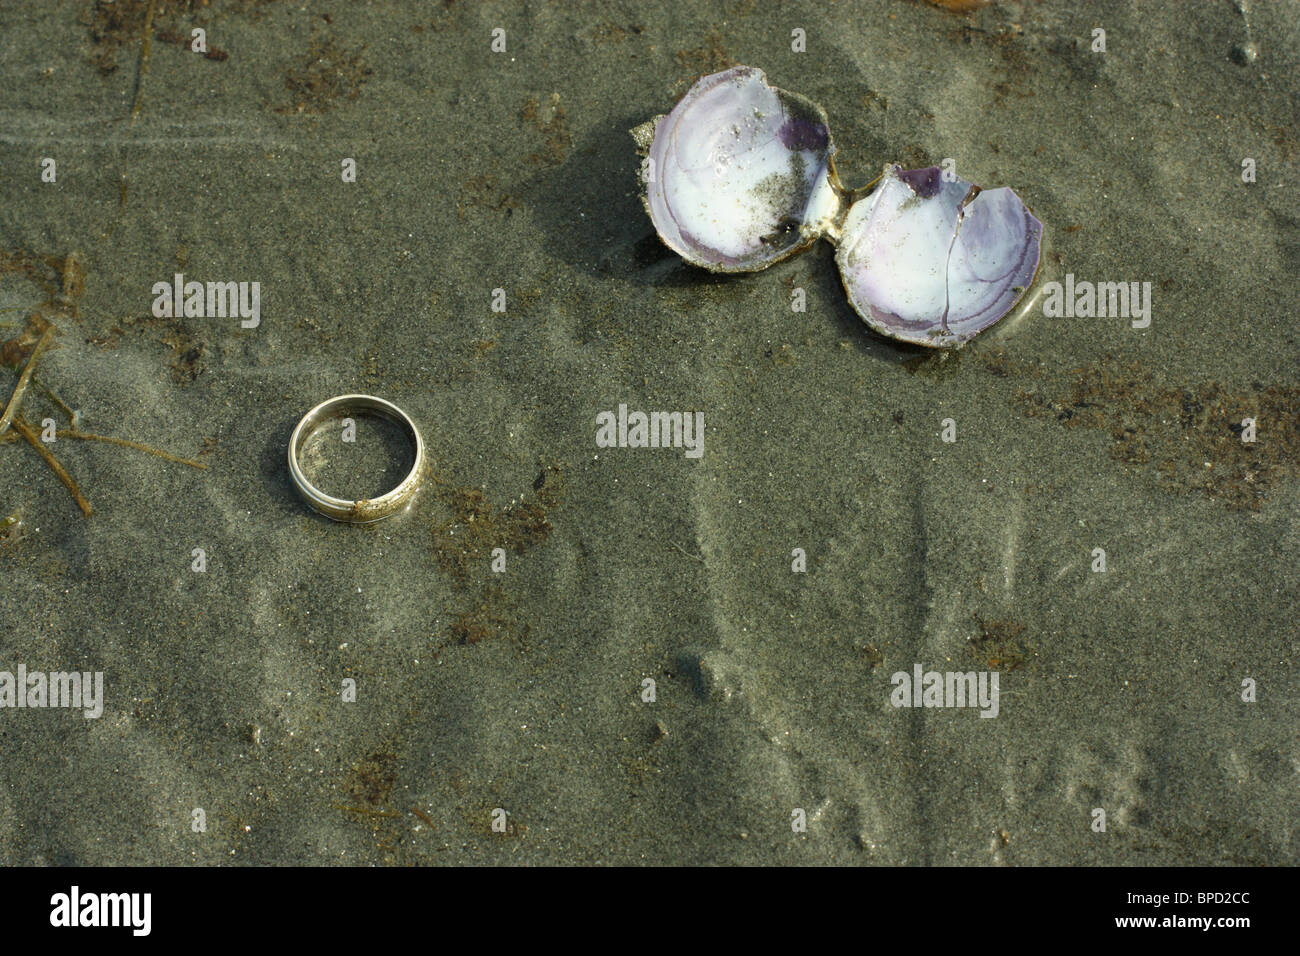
(524, 690)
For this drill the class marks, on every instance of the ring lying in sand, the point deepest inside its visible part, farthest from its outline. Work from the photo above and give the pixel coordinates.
(366, 509)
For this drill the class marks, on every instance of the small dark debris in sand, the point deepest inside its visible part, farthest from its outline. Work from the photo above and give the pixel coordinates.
(999, 643)
(709, 57)
(553, 123)
(608, 31)
(186, 361)
(960, 6)
(15, 351)
(485, 192)
(463, 546)
(114, 24)
(1190, 436)
(372, 780)
(482, 620)
(61, 278)
(875, 102)
(935, 365)
(913, 156)
(464, 542)
(186, 42)
(327, 75)
(186, 358)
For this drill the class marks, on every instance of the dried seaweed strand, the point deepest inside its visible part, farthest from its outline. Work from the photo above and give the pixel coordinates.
(678, 547)
(363, 810)
(128, 443)
(49, 393)
(424, 816)
(144, 62)
(16, 398)
(137, 103)
(25, 430)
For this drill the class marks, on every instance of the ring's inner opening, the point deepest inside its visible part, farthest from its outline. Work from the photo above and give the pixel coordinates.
(357, 455)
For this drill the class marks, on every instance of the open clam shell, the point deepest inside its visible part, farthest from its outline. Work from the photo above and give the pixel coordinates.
(739, 175)
(935, 261)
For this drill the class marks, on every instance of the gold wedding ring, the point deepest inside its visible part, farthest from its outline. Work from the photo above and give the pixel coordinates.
(366, 509)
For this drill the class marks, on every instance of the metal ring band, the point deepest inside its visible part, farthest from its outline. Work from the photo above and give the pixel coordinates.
(367, 509)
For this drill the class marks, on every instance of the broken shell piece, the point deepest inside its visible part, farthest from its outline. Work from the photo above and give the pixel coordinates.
(936, 262)
(739, 175)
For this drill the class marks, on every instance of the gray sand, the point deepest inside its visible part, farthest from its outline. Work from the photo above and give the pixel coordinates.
(523, 690)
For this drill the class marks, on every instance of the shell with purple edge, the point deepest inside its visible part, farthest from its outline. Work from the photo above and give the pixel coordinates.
(741, 175)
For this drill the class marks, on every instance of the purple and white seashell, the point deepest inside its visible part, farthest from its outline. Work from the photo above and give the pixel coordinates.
(738, 175)
(936, 262)
(741, 175)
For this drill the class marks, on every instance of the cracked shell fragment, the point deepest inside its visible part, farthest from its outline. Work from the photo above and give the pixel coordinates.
(739, 174)
(935, 263)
